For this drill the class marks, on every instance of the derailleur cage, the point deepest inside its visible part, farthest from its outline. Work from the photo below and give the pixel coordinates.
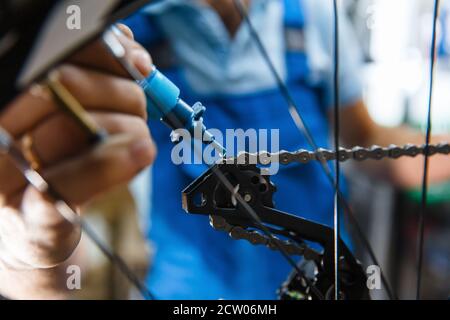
(207, 195)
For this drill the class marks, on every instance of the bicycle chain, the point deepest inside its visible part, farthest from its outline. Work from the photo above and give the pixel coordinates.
(257, 238)
(357, 153)
(304, 156)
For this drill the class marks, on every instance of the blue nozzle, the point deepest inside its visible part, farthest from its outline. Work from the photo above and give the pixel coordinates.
(162, 95)
(164, 103)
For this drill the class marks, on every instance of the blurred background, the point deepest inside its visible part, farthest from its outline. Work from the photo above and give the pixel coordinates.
(395, 37)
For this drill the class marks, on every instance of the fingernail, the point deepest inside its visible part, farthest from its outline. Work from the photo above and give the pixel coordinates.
(142, 152)
(143, 62)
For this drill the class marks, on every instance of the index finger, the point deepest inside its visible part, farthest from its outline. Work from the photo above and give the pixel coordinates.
(97, 56)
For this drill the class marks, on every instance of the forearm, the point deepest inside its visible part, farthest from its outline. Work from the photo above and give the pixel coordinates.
(357, 128)
(407, 172)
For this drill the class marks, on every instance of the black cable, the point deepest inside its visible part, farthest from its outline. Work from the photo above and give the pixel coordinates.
(422, 213)
(96, 134)
(9, 147)
(303, 128)
(117, 260)
(113, 257)
(259, 224)
(337, 229)
(297, 117)
(173, 118)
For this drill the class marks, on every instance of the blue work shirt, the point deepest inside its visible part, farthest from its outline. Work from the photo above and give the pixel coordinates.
(230, 77)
